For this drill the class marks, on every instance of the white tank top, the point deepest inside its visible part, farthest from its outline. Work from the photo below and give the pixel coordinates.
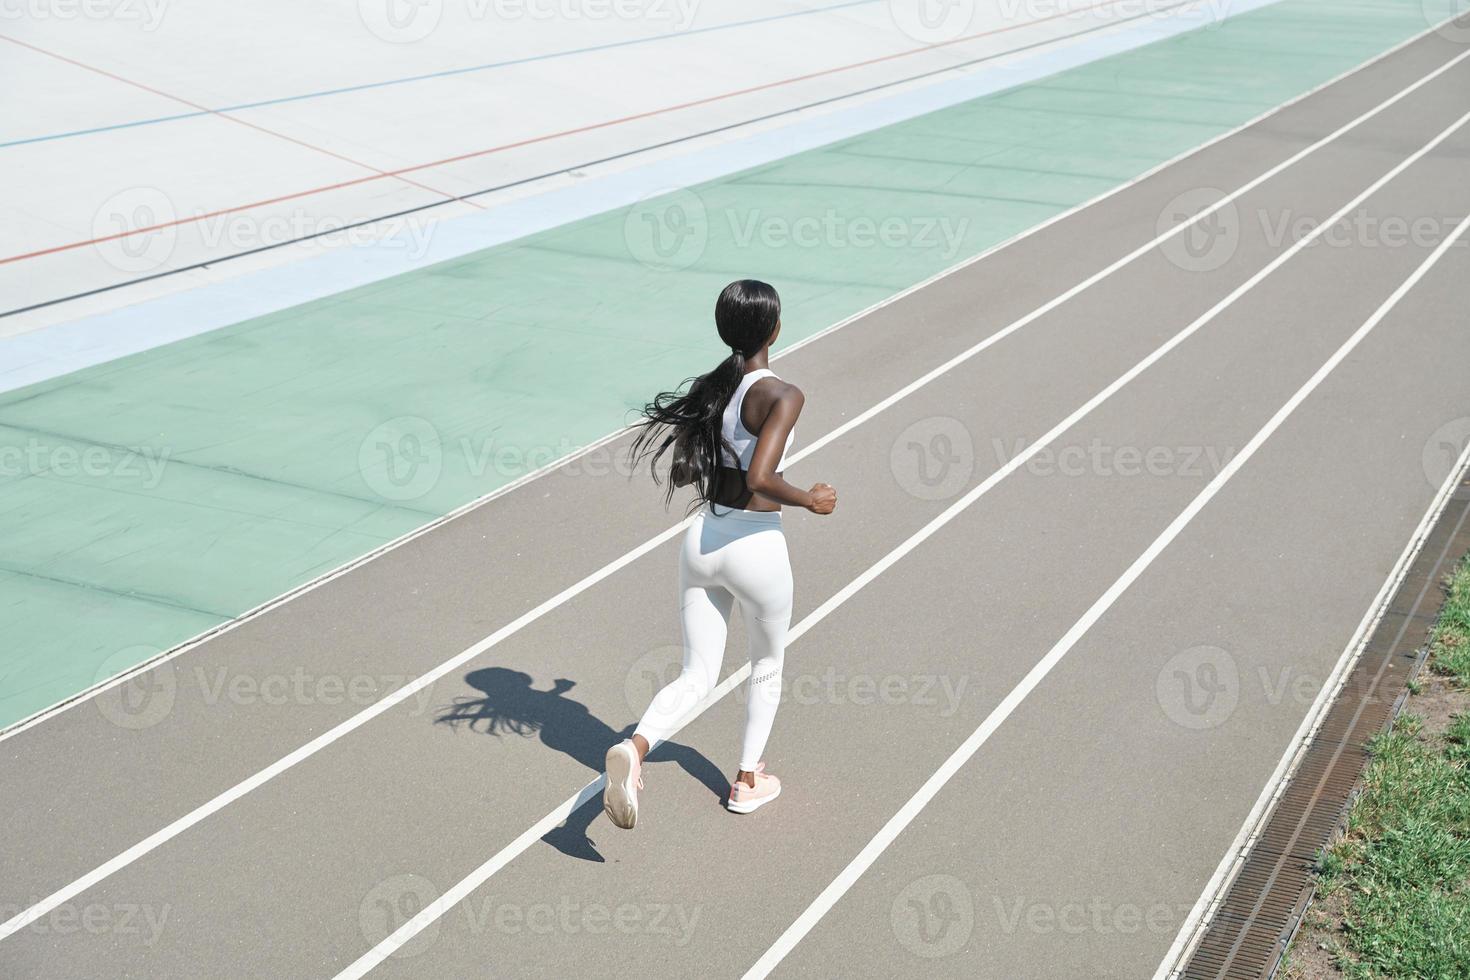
(735, 432)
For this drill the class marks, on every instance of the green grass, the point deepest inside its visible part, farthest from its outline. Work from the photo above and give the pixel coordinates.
(1403, 867)
(1451, 653)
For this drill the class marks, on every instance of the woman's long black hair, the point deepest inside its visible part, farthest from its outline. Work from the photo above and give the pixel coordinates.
(688, 422)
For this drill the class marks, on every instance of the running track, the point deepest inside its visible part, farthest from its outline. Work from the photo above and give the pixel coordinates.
(1115, 501)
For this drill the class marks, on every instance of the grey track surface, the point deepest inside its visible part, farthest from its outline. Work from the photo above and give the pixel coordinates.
(1070, 846)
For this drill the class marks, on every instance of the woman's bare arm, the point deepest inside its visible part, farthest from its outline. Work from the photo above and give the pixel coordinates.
(770, 443)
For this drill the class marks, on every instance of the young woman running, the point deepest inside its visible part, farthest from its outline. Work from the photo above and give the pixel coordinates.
(727, 437)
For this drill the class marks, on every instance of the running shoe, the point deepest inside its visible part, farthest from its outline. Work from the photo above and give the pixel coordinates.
(624, 780)
(744, 799)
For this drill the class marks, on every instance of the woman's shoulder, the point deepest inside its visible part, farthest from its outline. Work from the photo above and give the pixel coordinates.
(771, 389)
(772, 395)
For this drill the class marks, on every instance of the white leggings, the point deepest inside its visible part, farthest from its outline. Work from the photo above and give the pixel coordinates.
(729, 555)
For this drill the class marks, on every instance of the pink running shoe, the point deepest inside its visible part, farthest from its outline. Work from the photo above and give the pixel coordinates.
(624, 780)
(744, 799)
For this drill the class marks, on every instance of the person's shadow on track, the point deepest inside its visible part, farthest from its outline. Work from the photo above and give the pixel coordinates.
(509, 704)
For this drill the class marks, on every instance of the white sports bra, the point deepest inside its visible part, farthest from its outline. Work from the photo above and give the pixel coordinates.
(735, 432)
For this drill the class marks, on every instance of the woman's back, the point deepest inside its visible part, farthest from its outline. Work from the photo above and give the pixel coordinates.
(736, 427)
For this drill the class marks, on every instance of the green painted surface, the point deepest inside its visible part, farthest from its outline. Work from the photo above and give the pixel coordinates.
(276, 449)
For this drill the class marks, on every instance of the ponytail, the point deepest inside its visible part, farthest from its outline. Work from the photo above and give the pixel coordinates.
(688, 424)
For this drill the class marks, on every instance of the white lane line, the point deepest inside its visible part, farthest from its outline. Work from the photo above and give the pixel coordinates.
(484, 872)
(327, 577)
(997, 717)
(254, 781)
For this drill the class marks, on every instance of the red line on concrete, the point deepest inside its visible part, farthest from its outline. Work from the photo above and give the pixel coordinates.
(590, 127)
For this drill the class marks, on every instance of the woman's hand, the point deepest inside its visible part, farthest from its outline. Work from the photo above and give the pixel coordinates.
(824, 499)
